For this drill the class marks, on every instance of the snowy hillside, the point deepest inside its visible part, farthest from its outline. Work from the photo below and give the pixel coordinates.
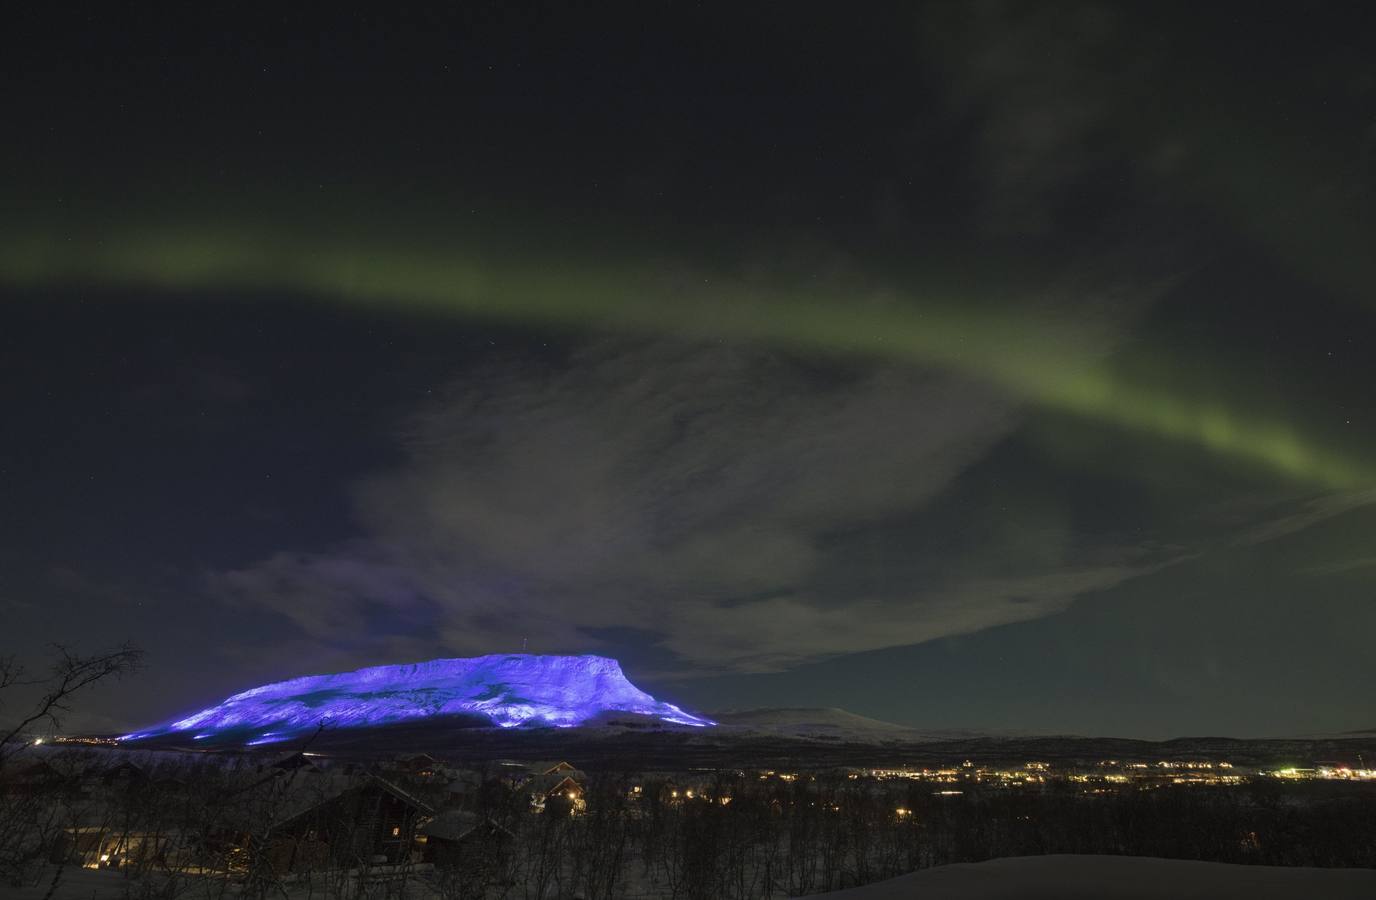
(1118, 878)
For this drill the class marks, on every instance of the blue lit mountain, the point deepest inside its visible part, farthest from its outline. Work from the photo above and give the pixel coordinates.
(506, 690)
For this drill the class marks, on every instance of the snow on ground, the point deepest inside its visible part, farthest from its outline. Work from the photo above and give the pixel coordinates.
(108, 884)
(1020, 878)
(75, 884)
(1118, 878)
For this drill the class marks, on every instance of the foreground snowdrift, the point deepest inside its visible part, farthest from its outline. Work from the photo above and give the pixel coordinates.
(1118, 878)
(1022, 878)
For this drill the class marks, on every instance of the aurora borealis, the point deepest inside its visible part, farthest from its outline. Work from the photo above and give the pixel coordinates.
(1026, 357)
(1019, 353)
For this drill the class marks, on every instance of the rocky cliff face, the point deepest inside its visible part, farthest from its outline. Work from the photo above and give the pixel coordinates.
(509, 690)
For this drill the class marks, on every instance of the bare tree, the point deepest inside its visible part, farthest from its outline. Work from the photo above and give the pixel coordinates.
(71, 674)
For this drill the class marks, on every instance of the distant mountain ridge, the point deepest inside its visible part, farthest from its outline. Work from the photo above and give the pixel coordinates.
(824, 723)
(822, 718)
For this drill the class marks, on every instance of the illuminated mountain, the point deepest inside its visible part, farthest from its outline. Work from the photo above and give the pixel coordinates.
(507, 690)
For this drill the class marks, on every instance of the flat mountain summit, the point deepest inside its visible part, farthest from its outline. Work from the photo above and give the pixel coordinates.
(504, 690)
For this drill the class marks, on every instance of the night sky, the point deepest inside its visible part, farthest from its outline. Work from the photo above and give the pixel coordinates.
(973, 366)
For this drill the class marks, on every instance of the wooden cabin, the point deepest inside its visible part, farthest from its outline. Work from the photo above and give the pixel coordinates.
(124, 775)
(561, 767)
(418, 765)
(371, 823)
(557, 793)
(459, 839)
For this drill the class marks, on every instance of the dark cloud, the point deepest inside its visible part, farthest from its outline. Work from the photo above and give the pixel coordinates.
(1051, 150)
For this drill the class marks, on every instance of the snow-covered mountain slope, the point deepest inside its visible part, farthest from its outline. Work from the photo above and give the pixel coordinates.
(508, 690)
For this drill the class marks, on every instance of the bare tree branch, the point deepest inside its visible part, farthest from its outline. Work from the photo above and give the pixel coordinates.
(71, 674)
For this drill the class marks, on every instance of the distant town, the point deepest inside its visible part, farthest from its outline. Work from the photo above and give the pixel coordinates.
(83, 810)
(1106, 774)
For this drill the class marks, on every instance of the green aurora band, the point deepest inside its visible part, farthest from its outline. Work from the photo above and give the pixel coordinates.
(1036, 358)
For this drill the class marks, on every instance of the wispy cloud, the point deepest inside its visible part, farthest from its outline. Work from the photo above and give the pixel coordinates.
(685, 492)
(1274, 525)
(1344, 566)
